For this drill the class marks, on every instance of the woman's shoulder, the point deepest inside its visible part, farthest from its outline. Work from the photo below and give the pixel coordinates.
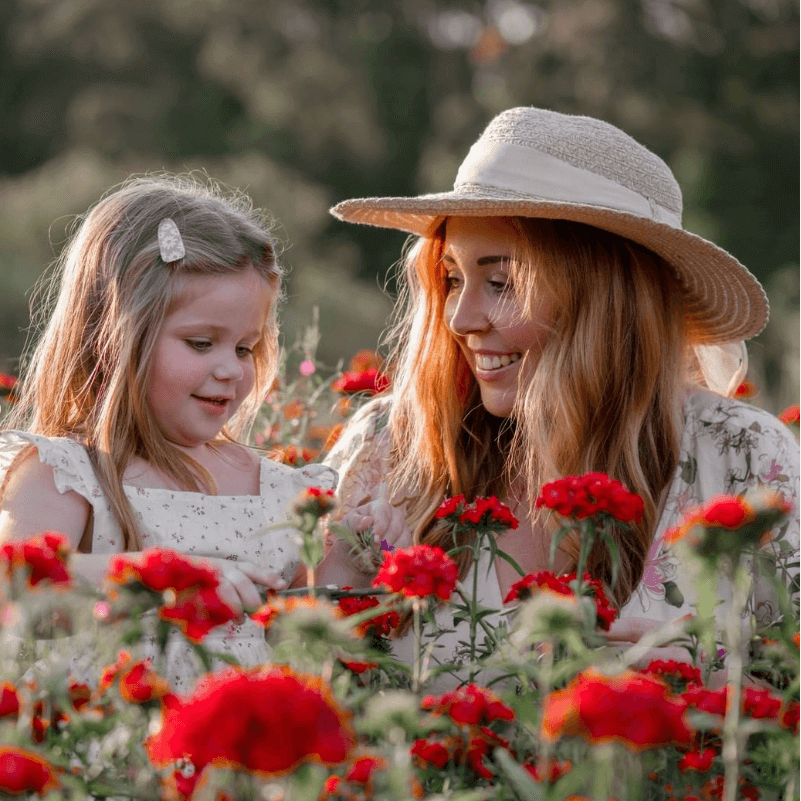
(366, 432)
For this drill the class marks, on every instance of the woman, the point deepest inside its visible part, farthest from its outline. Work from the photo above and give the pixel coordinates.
(556, 319)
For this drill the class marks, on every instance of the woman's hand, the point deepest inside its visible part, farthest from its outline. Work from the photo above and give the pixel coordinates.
(242, 583)
(387, 522)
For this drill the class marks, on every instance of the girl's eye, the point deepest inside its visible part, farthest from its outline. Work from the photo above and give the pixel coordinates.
(198, 344)
(242, 351)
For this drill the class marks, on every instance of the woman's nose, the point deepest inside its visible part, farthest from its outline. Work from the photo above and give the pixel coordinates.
(465, 312)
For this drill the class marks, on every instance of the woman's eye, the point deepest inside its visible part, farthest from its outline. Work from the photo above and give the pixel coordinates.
(451, 282)
(500, 285)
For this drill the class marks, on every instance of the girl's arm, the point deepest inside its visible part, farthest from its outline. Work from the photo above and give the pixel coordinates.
(32, 504)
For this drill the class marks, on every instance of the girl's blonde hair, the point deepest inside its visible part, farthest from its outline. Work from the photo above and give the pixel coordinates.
(105, 304)
(604, 395)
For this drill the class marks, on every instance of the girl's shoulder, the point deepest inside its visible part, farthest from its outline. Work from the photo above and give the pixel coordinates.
(72, 468)
(275, 475)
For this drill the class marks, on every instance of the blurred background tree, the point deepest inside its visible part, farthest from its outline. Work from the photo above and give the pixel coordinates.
(304, 103)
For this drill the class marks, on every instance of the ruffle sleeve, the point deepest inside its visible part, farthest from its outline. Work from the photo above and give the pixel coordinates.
(72, 469)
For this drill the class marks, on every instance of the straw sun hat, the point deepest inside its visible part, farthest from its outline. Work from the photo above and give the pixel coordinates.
(532, 162)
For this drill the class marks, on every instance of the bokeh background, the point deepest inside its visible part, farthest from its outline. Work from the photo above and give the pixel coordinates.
(305, 103)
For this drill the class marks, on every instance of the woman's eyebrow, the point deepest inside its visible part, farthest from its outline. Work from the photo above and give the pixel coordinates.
(481, 262)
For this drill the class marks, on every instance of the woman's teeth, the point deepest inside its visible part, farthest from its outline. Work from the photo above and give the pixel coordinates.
(486, 362)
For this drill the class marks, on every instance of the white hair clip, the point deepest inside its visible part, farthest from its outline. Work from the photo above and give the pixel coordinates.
(170, 243)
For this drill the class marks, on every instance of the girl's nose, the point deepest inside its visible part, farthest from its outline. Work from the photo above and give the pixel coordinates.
(228, 367)
(466, 312)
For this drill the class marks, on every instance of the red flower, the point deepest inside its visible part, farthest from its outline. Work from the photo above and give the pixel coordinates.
(419, 571)
(700, 761)
(790, 415)
(44, 557)
(488, 512)
(233, 719)
(682, 672)
(760, 703)
(9, 700)
(555, 769)
(352, 381)
(23, 771)
(314, 501)
(630, 708)
(7, 382)
(432, 752)
(359, 667)
(712, 701)
(379, 626)
(724, 511)
(746, 390)
(469, 705)
(480, 746)
(196, 608)
(789, 718)
(591, 494)
(197, 613)
(292, 454)
(545, 580)
(140, 684)
(362, 769)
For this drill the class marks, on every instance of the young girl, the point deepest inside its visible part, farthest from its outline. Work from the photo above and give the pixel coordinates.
(556, 319)
(160, 346)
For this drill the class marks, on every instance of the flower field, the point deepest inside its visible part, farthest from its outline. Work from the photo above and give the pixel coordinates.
(541, 706)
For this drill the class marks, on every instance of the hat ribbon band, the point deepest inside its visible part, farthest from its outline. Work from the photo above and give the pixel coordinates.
(539, 176)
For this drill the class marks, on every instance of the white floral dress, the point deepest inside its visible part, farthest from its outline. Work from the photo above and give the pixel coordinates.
(236, 527)
(727, 447)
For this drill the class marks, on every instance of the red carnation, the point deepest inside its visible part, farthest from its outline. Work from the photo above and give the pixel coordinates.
(488, 512)
(380, 625)
(232, 717)
(432, 752)
(469, 705)
(758, 703)
(419, 571)
(554, 769)
(789, 718)
(700, 761)
(711, 701)
(728, 511)
(681, 672)
(314, 501)
(362, 769)
(591, 494)
(9, 700)
(352, 381)
(43, 557)
(790, 415)
(23, 771)
(197, 613)
(630, 708)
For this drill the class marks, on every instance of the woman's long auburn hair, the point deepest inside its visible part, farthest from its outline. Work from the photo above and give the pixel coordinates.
(104, 306)
(605, 394)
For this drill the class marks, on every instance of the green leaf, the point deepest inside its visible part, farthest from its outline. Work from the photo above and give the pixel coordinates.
(505, 556)
(673, 594)
(526, 788)
(557, 538)
(614, 554)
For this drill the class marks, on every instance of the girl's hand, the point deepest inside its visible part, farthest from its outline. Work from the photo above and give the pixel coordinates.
(388, 524)
(240, 584)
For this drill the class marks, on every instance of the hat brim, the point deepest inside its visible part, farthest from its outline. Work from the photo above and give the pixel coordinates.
(723, 299)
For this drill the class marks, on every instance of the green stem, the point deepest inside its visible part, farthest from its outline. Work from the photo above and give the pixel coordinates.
(731, 736)
(474, 607)
(417, 646)
(547, 680)
(587, 534)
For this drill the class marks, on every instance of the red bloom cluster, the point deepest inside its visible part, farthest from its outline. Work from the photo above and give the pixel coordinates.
(470, 705)
(196, 608)
(672, 670)
(379, 626)
(723, 511)
(232, 719)
(138, 682)
(23, 771)
(9, 700)
(314, 501)
(43, 557)
(489, 512)
(352, 381)
(554, 769)
(635, 710)
(700, 761)
(756, 703)
(589, 495)
(545, 580)
(418, 572)
(473, 749)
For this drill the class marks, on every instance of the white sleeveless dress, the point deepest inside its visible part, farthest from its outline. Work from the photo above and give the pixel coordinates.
(236, 527)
